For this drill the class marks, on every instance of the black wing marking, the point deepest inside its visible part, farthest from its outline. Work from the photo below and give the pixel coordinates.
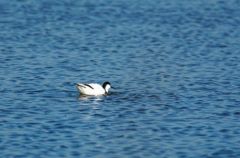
(88, 86)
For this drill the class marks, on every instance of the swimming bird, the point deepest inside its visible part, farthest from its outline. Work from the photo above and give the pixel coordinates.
(94, 88)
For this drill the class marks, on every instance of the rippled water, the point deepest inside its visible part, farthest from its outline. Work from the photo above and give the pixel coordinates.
(174, 65)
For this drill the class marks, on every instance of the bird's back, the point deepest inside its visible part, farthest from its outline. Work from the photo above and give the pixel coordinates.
(90, 89)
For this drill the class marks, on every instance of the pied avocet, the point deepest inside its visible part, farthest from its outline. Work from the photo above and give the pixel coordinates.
(94, 88)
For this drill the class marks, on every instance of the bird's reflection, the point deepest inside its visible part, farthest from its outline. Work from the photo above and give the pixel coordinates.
(90, 98)
(91, 101)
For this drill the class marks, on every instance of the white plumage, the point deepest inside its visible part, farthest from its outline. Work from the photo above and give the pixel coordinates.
(94, 88)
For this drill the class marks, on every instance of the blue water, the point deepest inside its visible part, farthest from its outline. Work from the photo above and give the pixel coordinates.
(175, 66)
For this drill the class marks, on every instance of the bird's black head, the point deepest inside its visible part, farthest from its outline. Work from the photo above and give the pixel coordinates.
(105, 84)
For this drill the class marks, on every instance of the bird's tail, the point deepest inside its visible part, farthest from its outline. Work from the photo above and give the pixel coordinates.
(80, 85)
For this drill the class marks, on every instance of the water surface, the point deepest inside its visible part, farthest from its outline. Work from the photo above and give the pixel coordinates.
(174, 65)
